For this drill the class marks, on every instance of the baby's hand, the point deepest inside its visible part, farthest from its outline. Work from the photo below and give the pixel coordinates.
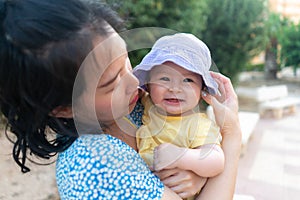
(167, 156)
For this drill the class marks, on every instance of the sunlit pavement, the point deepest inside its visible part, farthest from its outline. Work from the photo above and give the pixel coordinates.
(270, 167)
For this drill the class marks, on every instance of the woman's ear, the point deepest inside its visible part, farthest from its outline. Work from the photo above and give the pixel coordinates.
(62, 112)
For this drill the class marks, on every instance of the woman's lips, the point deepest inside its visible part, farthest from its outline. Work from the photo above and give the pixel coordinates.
(135, 99)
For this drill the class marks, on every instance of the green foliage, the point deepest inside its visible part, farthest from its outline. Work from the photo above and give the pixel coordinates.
(254, 67)
(273, 25)
(233, 29)
(179, 15)
(234, 33)
(290, 45)
(273, 31)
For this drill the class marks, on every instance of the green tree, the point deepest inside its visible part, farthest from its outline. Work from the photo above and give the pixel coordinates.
(178, 15)
(274, 26)
(290, 46)
(234, 33)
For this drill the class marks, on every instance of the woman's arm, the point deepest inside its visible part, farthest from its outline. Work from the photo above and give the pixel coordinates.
(226, 113)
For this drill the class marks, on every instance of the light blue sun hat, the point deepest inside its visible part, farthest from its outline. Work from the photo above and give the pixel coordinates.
(184, 50)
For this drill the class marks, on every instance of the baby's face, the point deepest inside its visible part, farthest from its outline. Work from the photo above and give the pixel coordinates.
(174, 90)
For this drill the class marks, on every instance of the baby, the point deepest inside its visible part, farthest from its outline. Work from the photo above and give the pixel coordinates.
(174, 133)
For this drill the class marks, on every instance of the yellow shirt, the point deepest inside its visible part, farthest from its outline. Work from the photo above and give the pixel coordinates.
(185, 131)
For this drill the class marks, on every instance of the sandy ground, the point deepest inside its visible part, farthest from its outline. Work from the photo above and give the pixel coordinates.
(39, 184)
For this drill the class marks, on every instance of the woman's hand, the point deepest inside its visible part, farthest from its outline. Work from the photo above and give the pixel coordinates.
(225, 105)
(184, 183)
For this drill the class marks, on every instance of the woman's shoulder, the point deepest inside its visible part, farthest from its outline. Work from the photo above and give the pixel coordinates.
(107, 165)
(97, 146)
(103, 152)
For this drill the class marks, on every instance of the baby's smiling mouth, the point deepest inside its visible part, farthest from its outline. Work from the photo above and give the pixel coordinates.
(173, 100)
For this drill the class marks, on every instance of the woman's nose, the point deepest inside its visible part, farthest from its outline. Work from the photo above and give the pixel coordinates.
(132, 82)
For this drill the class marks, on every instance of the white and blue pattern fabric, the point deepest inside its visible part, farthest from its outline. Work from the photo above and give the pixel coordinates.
(136, 115)
(104, 167)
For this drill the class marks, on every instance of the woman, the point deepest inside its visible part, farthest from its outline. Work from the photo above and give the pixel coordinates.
(42, 46)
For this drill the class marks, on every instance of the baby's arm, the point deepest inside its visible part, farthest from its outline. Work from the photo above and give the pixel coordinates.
(206, 160)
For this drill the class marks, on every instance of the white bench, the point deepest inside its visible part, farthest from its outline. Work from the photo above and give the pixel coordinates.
(278, 106)
(263, 93)
(248, 121)
(272, 99)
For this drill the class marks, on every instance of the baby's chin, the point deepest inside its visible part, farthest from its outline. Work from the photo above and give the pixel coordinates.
(169, 112)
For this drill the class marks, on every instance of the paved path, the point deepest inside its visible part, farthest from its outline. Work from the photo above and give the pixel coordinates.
(270, 169)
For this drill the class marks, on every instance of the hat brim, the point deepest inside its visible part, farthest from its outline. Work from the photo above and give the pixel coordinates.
(141, 71)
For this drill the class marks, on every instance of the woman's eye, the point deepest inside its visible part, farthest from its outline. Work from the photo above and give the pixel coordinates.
(188, 80)
(164, 79)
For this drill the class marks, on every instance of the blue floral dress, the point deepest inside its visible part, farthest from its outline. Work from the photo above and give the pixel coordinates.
(104, 167)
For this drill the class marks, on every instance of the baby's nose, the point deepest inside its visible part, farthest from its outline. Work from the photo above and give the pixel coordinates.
(175, 89)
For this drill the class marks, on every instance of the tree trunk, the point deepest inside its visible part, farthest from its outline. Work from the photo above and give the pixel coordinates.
(295, 70)
(271, 66)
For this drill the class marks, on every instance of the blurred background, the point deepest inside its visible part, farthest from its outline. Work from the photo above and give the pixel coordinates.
(254, 42)
(248, 35)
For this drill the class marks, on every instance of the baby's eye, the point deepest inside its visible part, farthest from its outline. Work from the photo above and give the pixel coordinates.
(164, 79)
(188, 80)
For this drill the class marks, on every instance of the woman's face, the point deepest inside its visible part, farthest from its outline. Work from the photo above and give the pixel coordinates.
(111, 86)
(117, 89)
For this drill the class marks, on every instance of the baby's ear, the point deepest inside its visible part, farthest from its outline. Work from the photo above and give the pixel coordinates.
(62, 112)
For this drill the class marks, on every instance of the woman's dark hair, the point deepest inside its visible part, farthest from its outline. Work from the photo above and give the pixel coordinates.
(42, 45)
